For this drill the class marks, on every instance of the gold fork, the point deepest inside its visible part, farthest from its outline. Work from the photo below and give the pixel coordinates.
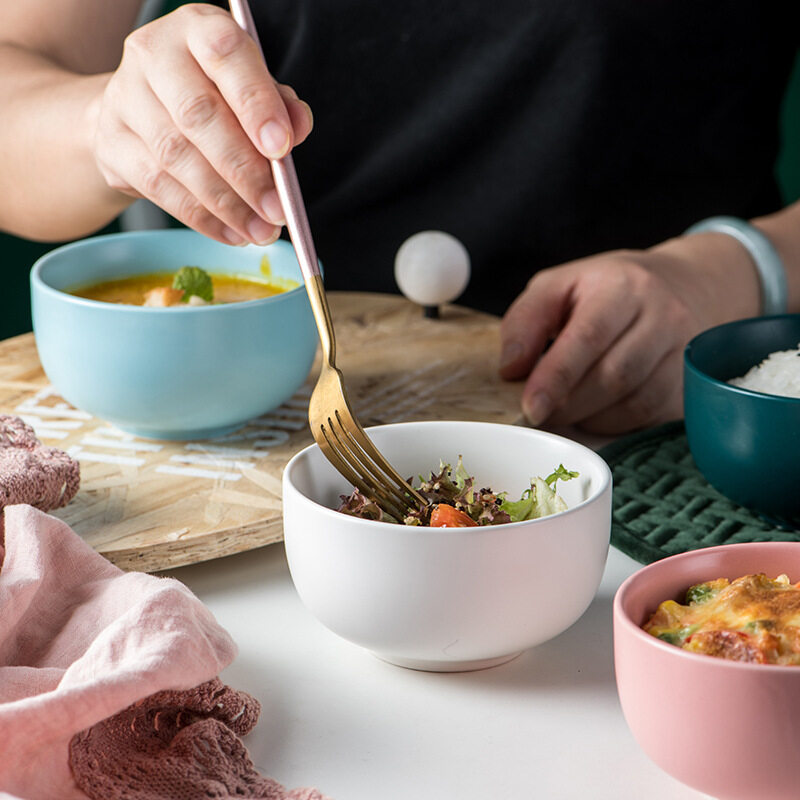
(333, 423)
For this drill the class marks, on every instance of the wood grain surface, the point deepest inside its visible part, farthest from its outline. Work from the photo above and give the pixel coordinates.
(152, 505)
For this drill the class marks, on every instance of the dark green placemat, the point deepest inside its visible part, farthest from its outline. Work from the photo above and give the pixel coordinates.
(662, 505)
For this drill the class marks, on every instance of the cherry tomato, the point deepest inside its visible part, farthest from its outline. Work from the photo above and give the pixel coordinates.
(446, 516)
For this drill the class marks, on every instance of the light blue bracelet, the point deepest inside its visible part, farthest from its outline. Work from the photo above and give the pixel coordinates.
(771, 273)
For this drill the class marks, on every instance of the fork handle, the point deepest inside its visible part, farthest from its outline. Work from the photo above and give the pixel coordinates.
(322, 315)
(288, 188)
(283, 171)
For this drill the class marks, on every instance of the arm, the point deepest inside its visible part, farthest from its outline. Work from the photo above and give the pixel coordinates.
(55, 60)
(619, 323)
(182, 111)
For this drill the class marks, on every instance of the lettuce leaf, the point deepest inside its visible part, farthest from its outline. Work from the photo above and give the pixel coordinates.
(560, 473)
(359, 505)
(541, 499)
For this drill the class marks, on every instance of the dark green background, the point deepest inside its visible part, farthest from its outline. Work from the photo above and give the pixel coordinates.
(18, 255)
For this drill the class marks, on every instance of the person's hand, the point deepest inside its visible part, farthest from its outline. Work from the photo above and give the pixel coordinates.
(189, 120)
(616, 325)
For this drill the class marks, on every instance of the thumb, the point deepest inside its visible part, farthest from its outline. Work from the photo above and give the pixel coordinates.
(532, 320)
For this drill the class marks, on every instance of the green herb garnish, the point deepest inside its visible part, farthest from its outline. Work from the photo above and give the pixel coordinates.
(194, 281)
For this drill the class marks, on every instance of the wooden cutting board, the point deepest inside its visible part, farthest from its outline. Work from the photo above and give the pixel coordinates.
(153, 505)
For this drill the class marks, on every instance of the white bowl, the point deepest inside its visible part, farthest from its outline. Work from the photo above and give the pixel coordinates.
(450, 599)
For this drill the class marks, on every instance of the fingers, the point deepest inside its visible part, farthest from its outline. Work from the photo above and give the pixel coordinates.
(147, 179)
(216, 162)
(532, 320)
(172, 152)
(618, 330)
(272, 116)
(195, 90)
(627, 364)
(597, 318)
(300, 113)
(657, 399)
(231, 61)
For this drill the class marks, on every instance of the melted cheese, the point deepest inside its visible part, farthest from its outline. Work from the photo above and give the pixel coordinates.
(753, 618)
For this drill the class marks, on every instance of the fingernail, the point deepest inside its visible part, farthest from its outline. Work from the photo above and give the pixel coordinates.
(271, 206)
(511, 352)
(232, 236)
(274, 238)
(260, 231)
(537, 408)
(274, 139)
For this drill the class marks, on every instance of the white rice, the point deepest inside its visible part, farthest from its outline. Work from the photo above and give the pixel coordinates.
(778, 373)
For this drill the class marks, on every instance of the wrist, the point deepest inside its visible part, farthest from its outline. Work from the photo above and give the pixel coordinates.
(92, 91)
(765, 258)
(712, 271)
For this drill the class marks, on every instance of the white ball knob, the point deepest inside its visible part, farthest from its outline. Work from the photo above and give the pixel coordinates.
(431, 268)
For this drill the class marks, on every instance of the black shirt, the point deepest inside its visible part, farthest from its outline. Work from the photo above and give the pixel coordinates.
(536, 131)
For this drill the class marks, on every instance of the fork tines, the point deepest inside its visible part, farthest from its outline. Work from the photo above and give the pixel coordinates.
(350, 450)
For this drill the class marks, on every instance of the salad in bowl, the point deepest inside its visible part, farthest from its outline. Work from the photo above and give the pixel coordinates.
(455, 502)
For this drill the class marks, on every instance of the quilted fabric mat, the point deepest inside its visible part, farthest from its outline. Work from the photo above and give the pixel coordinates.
(662, 505)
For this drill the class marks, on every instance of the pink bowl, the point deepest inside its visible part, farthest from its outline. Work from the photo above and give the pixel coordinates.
(729, 729)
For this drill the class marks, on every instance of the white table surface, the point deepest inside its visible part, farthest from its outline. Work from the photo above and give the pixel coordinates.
(545, 726)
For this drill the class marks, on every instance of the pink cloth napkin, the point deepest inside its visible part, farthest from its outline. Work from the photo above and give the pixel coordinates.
(31, 473)
(104, 671)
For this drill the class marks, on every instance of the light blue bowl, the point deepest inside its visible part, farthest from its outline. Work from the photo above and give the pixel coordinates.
(170, 373)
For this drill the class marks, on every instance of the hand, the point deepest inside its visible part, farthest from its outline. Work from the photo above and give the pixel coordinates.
(189, 120)
(619, 323)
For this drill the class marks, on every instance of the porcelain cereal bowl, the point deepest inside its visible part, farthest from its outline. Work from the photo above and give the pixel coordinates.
(738, 436)
(450, 599)
(170, 373)
(727, 728)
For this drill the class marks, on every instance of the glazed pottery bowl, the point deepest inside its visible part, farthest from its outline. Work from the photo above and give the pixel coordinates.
(746, 443)
(449, 599)
(727, 728)
(178, 372)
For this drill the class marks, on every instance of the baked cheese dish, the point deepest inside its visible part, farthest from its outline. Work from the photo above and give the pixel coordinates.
(754, 619)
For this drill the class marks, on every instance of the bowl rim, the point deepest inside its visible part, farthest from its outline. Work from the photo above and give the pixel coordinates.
(481, 529)
(38, 282)
(622, 619)
(690, 365)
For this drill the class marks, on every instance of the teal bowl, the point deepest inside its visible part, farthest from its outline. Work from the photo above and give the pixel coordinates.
(746, 443)
(170, 373)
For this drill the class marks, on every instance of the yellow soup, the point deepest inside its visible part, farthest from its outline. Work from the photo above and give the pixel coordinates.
(135, 290)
